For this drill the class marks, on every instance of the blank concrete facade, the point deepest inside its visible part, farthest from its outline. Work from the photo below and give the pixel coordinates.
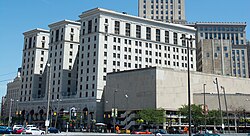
(163, 10)
(166, 88)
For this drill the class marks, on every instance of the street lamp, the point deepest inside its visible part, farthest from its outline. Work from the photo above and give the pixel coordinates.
(226, 108)
(222, 122)
(48, 101)
(126, 96)
(189, 40)
(11, 100)
(205, 110)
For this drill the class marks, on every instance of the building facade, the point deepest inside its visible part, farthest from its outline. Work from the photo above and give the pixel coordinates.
(34, 60)
(12, 96)
(165, 88)
(111, 42)
(214, 56)
(163, 10)
(63, 52)
(231, 31)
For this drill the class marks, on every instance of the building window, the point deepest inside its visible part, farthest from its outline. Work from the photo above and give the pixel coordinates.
(117, 27)
(175, 38)
(158, 35)
(138, 31)
(166, 36)
(127, 29)
(148, 33)
(89, 26)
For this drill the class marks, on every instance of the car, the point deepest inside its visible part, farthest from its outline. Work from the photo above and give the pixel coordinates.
(53, 130)
(5, 130)
(141, 132)
(34, 131)
(206, 134)
(160, 131)
(31, 126)
(18, 131)
(15, 127)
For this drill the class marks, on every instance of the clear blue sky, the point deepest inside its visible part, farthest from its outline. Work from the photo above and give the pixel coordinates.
(18, 16)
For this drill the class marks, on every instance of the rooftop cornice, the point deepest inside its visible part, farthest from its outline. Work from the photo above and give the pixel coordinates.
(34, 31)
(101, 10)
(217, 23)
(64, 22)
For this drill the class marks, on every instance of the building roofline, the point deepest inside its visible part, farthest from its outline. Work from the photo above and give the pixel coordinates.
(64, 22)
(98, 10)
(172, 69)
(217, 23)
(37, 30)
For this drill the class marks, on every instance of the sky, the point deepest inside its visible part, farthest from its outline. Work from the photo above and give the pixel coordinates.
(18, 16)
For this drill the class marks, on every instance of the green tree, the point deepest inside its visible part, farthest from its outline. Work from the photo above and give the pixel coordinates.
(152, 116)
(197, 117)
(212, 118)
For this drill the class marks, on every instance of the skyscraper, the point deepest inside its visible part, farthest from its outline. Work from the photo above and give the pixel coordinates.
(164, 10)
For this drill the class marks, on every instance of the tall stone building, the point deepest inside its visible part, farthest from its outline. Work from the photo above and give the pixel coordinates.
(109, 42)
(164, 10)
(34, 60)
(12, 96)
(235, 32)
(214, 56)
(63, 52)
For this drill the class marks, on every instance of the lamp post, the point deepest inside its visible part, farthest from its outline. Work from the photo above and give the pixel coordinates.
(217, 84)
(226, 108)
(57, 110)
(126, 96)
(205, 111)
(187, 41)
(11, 100)
(48, 101)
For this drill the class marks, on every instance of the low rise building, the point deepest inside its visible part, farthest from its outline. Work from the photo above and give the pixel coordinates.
(167, 88)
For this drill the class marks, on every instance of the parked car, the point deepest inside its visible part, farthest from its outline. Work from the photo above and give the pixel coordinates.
(18, 131)
(15, 127)
(34, 131)
(206, 134)
(141, 132)
(160, 131)
(31, 126)
(53, 130)
(5, 130)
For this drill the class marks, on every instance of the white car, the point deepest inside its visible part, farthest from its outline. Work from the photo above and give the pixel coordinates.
(15, 127)
(34, 131)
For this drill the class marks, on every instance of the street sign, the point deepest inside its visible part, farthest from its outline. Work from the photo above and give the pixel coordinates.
(47, 123)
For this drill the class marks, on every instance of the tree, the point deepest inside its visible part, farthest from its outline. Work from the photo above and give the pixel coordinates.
(213, 116)
(152, 116)
(196, 114)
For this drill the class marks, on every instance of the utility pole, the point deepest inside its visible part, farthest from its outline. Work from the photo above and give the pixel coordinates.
(226, 108)
(48, 101)
(188, 41)
(205, 111)
(217, 84)
(9, 122)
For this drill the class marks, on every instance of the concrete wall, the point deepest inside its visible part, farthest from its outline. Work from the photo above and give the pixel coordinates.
(165, 88)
